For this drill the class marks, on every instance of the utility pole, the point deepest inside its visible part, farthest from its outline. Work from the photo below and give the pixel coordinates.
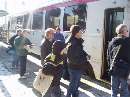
(6, 23)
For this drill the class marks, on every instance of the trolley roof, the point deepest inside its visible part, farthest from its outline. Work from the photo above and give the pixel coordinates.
(50, 4)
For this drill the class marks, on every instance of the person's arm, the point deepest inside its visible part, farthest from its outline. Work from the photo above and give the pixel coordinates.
(44, 51)
(11, 40)
(109, 54)
(28, 43)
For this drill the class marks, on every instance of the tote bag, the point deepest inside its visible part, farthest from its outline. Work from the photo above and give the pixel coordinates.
(42, 82)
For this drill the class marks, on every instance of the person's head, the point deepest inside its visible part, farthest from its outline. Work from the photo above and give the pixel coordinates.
(58, 29)
(49, 34)
(57, 47)
(122, 30)
(25, 32)
(75, 31)
(19, 31)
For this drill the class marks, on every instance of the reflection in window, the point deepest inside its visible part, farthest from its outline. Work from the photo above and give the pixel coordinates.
(118, 18)
(20, 20)
(75, 14)
(52, 18)
(13, 24)
(37, 20)
(27, 21)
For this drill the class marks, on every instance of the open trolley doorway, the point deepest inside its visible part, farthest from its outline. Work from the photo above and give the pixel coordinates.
(112, 18)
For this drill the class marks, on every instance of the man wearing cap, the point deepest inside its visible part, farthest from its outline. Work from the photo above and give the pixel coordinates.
(20, 43)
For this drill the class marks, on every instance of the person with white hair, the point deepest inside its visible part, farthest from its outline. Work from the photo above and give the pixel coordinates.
(119, 60)
(46, 44)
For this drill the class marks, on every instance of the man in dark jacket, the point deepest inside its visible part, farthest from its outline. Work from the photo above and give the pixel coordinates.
(12, 48)
(121, 67)
(11, 41)
(21, 44)
(46, 44)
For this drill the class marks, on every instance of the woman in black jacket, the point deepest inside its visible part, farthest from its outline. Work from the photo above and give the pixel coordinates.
(77, 59)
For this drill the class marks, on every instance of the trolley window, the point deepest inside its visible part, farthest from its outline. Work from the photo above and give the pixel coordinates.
(37, 20)
(27, 21)
(52, 18)
(13, 23)
(75, 14)
(20, 20)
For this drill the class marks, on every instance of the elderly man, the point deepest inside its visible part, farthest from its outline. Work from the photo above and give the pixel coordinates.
(46, 44)
(20, 43)
(119, 60)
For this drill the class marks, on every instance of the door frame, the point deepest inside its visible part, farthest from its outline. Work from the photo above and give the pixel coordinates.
(107, 36)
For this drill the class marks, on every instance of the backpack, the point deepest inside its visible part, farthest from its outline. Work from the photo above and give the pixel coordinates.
(119, 67)
(49, 66)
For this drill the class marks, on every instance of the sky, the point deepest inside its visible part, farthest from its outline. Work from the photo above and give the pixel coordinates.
(2, 4)
(18, 6)
(15, 7)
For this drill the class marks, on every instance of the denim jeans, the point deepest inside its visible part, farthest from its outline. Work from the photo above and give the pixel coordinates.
(15, 59)
(10, 50)
(22, 62)
(119, 85)
(75, 76)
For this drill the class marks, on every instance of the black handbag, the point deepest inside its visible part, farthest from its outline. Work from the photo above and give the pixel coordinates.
(89, 70)
(49, 68)
(65, 75)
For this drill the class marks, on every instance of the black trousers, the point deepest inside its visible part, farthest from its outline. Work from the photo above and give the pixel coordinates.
(54, 90)
(22, 62)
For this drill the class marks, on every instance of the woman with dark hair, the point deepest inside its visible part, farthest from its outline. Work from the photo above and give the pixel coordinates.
(77, 59)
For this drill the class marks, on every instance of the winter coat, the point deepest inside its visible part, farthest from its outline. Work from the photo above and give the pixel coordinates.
(77, 57)
(122, 60)
(46, 48)
(20, 42)
(11, 40)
